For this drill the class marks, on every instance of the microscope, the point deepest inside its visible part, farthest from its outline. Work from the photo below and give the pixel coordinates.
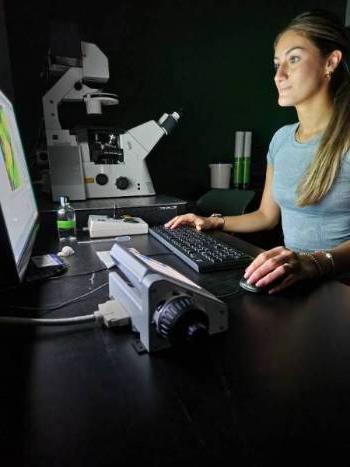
(114, 164)
(95, 162)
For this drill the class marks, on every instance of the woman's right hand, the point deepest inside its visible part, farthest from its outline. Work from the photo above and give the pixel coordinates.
(199, 222)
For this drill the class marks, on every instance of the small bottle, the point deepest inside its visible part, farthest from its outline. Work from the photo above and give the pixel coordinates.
(66, 222)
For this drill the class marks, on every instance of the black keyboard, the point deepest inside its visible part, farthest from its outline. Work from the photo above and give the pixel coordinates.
(200, 250)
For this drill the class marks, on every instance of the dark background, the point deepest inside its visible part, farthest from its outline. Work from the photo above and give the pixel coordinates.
(213, 58)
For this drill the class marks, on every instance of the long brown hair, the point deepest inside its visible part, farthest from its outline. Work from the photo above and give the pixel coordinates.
(328, 34)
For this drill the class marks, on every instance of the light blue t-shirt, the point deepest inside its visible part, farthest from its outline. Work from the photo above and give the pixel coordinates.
(319, 226)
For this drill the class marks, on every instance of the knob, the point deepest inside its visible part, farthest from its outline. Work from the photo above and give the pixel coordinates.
(122, 183)
(101, 179)
(181, 322)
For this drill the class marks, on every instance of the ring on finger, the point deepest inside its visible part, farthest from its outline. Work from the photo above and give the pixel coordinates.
(287, 266)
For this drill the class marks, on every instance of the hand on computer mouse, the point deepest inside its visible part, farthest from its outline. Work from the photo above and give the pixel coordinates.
(250, 287)
(279, 268)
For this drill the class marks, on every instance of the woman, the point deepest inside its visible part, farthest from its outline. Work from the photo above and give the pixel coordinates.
(308, 172)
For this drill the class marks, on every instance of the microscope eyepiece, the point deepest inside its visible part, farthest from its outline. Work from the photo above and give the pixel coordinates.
(169, 122)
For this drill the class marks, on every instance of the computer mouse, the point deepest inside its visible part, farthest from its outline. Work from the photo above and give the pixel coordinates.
(250, 287)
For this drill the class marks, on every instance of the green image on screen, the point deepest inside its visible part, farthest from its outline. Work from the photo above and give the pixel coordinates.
(8, 153)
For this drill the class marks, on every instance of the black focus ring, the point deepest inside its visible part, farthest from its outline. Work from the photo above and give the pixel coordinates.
(172, 313)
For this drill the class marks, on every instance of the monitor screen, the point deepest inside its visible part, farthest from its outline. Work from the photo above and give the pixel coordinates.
(18, 209)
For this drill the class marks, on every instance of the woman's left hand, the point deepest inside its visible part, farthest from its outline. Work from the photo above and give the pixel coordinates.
(281, 265)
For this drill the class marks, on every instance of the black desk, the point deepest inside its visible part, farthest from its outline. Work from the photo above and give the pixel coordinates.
(275, 389)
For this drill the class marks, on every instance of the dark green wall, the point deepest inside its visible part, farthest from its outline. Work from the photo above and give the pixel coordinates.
(213, 58)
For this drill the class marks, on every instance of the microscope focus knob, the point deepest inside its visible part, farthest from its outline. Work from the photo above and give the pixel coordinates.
(101, 179)
(181, 322)
(122, 183)
(78, 85)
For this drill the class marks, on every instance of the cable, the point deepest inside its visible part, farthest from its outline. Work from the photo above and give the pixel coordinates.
(86, 273)
(236, 292)
(47, 322)
(58, 306)
(111, 314)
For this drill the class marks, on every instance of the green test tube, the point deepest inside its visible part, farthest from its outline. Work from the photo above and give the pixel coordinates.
(238, 159)
(247, 159)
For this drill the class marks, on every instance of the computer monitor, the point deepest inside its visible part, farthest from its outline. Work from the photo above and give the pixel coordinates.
(19, 217)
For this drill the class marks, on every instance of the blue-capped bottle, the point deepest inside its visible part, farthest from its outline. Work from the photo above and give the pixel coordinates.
(66, 221)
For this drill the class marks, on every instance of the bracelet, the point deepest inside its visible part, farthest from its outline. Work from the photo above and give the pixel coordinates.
(215, 214)
(315, 261)
(223, 224)
(330, 258)
(329, 272)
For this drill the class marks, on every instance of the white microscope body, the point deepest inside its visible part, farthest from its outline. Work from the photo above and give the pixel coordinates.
(117, 168)
(128, 175)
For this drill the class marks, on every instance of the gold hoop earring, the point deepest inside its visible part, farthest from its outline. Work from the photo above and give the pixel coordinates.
(328, 75)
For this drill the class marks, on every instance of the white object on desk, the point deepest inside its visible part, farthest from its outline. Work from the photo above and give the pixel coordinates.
(106, 258)
(66, 251)
(104, 226)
